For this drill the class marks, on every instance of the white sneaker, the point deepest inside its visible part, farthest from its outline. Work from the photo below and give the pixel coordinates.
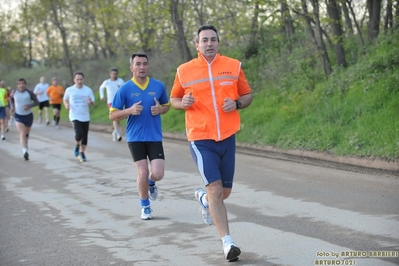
(146, 213)
(40, 120)
(118, 136)
(2, 137)
(231, 251)
(113, 136)
(204, 211)
(153, 192)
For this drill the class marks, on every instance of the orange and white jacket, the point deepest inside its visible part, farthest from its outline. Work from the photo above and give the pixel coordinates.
(210, 84)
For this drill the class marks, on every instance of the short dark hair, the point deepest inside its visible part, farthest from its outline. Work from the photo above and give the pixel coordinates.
(140, 54)
(206, 27)
(114, 70)
(22, 79)
(78, 73)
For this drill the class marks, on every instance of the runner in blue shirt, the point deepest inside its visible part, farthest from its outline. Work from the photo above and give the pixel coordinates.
(142, 100)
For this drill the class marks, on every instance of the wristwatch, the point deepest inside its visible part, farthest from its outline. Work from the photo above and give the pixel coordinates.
(238, 104)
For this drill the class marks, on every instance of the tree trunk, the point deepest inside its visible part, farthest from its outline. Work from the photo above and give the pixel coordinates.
(336, 28)
(388, 19)
(252, 48)
(289, 29)
(359, 30)
(198, 6)
(49, 57)
(28, 25)
(178, 25)
(321, 47)
(63, 33)
(348, 21)
(374, 10)
(397, 14)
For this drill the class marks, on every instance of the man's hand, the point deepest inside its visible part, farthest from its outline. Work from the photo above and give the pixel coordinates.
(187, 100)
(136, 108)
(229, 105)
(156, 109)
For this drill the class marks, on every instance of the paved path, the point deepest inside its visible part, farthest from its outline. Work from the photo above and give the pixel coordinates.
(57, 211)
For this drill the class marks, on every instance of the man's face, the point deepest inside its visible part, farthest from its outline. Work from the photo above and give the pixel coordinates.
(139, 67)
(42, 80)
(114, 75)
(54, 81)
(208, 44)
(78, 79)
(21, 85)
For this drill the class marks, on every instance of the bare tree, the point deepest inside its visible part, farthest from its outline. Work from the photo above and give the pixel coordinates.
(374, 11)
(56, 17)
(358, 28)
(252, 48)
(288, 28)
(336, 28)
(318, 39)
(388, 19)
(27, 22)
(178, 25)
(348, 21)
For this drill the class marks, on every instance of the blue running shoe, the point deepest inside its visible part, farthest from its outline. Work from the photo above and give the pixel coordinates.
(76, 151)
(82, 157)
(153, 192)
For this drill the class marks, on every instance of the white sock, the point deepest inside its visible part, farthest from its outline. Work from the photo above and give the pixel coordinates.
(204, 201)
(24, 150)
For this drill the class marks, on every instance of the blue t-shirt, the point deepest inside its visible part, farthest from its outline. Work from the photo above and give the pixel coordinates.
(143, 127)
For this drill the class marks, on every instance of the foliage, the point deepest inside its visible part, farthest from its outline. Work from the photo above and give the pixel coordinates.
(302, 99)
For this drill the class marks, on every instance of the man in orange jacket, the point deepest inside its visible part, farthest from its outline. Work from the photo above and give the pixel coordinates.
(211, 89)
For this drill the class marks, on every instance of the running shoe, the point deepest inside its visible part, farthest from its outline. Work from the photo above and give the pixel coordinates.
(47, 123)
(113, 136)
(146, 213)
(231, 251)
(3, 137)
(153, 192)
(82, 157)
(26, 156)
(204, 211)
(118, 136)
(76, 151)
(40, 120)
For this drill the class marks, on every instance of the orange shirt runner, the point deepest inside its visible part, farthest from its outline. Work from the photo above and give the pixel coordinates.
(55, 93)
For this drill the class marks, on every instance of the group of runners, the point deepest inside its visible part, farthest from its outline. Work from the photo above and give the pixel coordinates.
(210, 89)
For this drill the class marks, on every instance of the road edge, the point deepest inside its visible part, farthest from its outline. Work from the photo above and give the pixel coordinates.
(350, 163)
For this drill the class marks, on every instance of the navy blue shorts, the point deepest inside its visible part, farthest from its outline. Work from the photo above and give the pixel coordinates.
(215, 160)
(27, 120)
(2, 112)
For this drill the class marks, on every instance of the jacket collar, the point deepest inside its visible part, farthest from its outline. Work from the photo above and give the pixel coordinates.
(203, 60)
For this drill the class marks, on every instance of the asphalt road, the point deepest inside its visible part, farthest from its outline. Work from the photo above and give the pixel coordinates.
(57, 211)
